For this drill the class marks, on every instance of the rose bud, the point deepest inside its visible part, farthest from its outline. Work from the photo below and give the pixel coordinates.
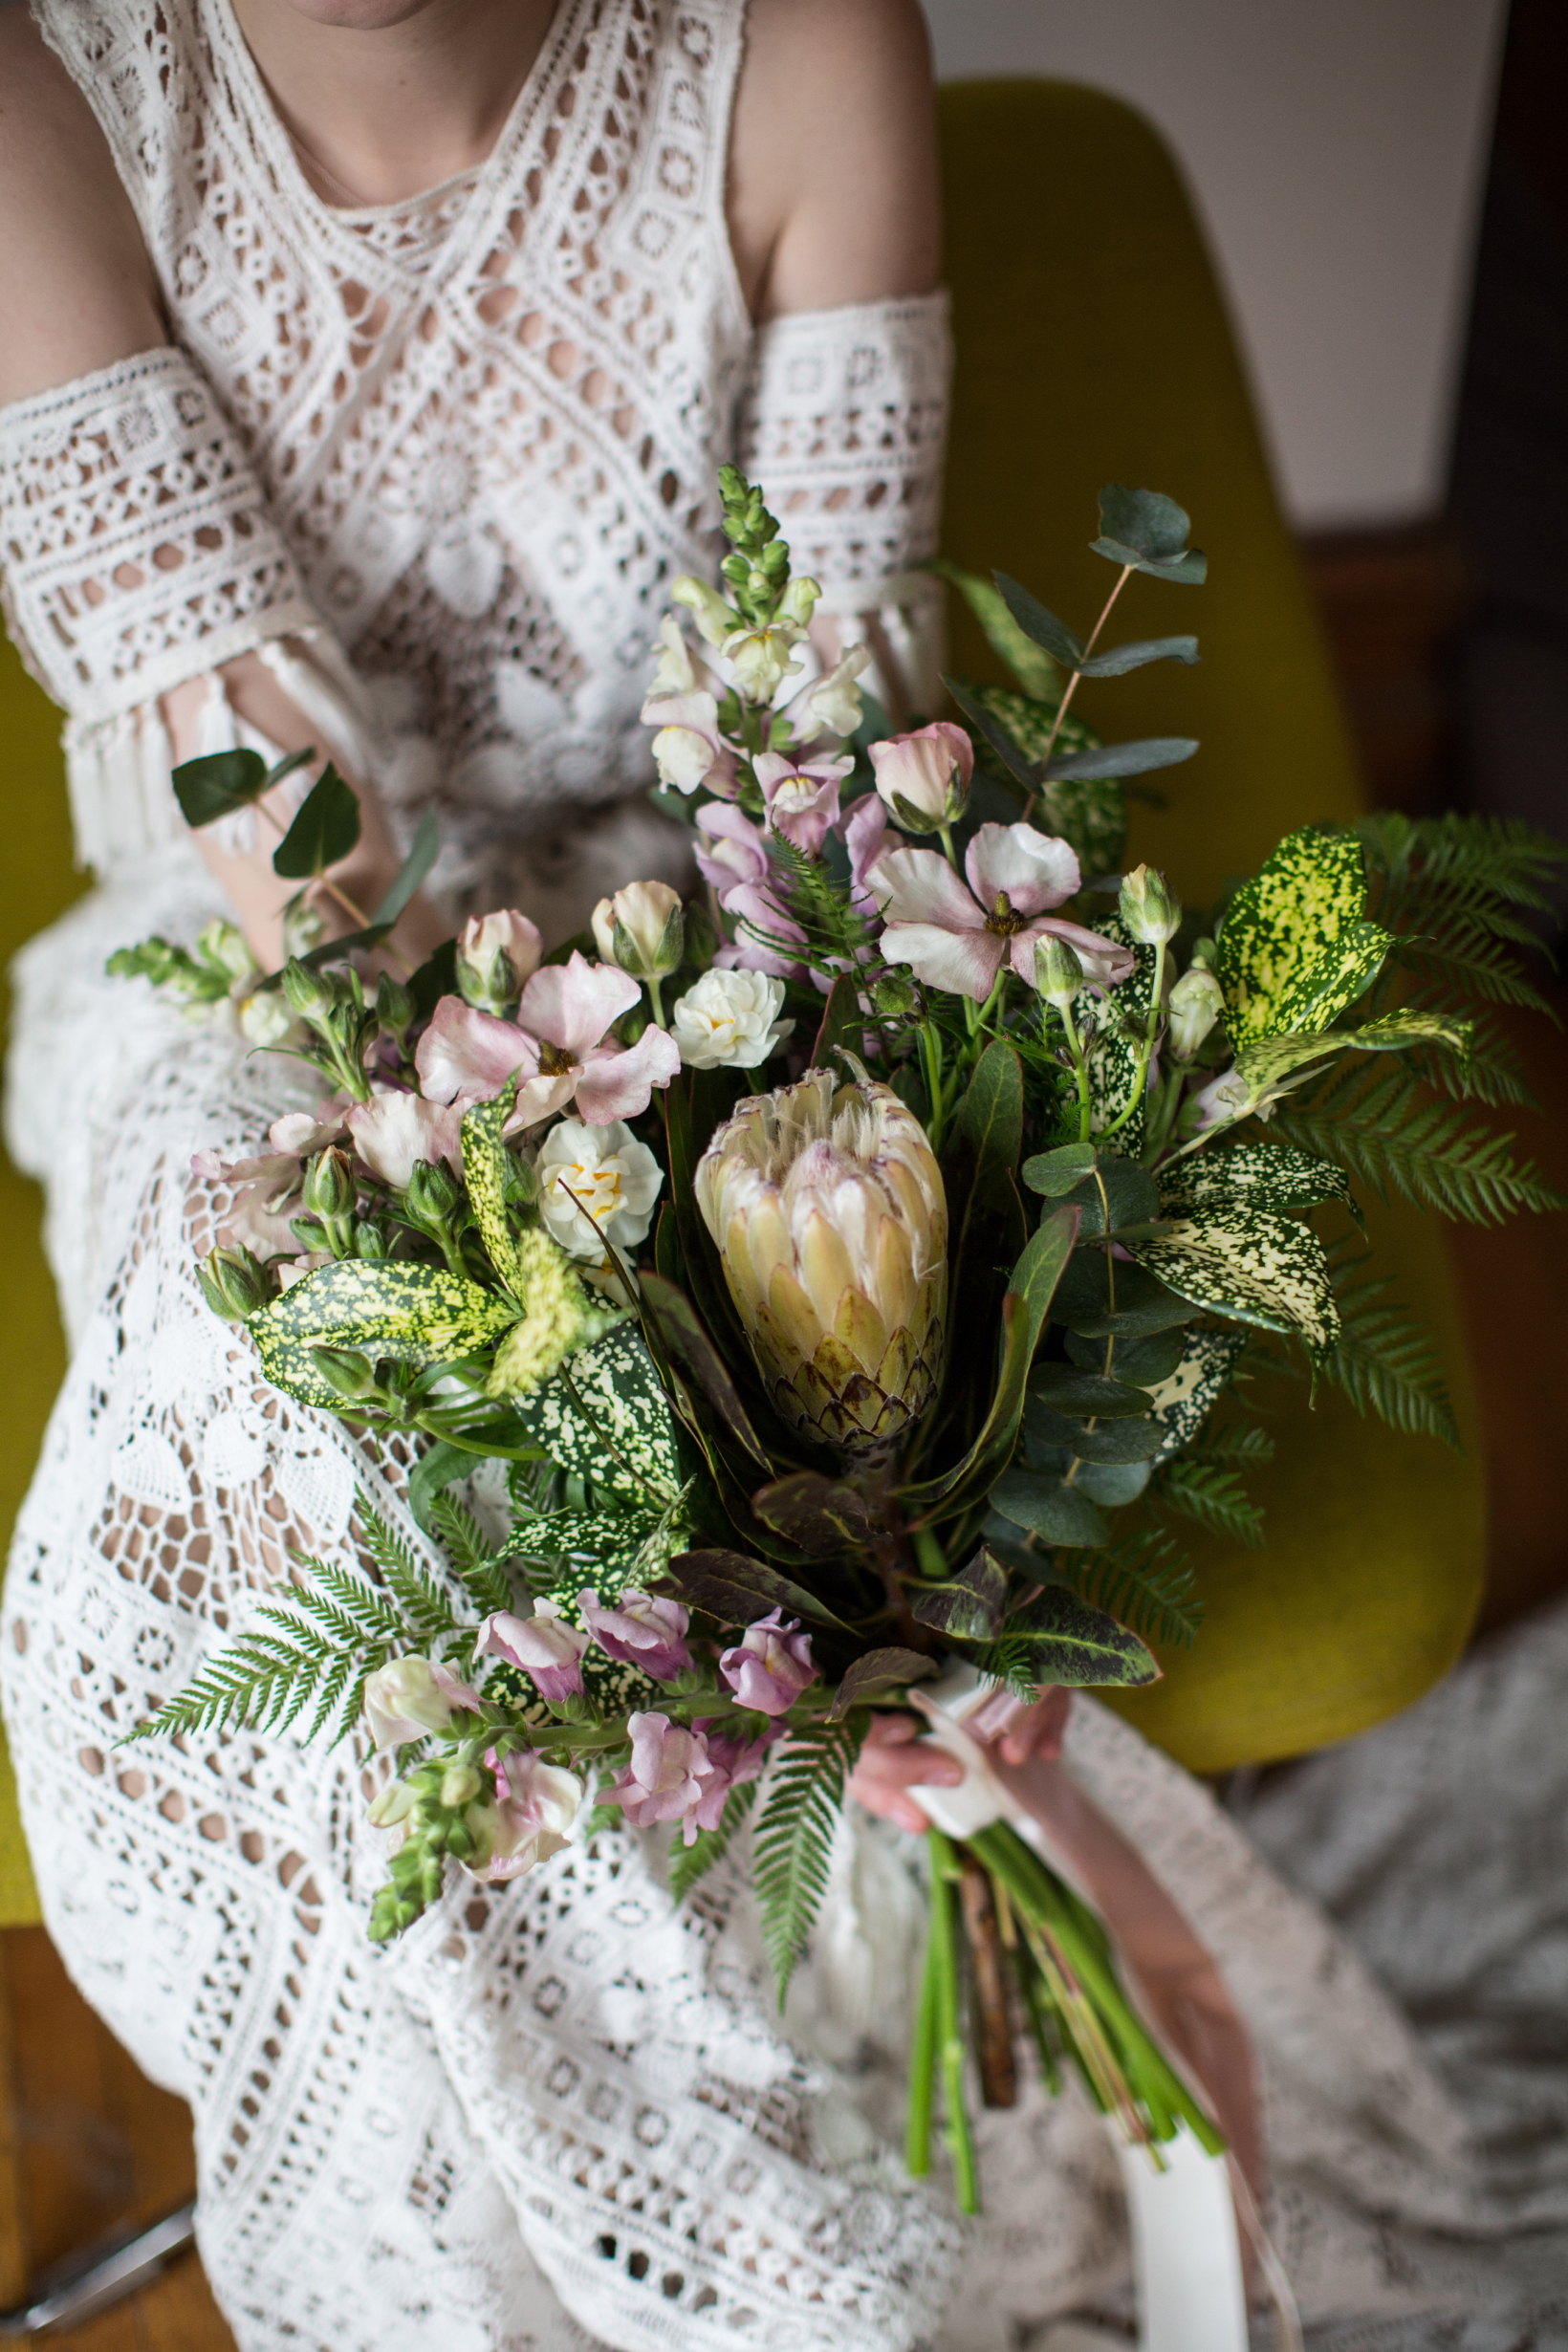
(1196, 1003)
(1058, 974)
(495, 954)
(642, 930)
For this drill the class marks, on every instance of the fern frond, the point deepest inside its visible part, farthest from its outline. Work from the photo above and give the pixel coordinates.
(418, 1594)
(1143, 1580)
(348, 1610)
(473, 1562)
(1383, 1359)
(1384, 1129)
(1485, 967)
(263, 1680)
(1240, 1442)
(1500, 856)
(794, 1838)
(687, 1863)
(1212, 1494)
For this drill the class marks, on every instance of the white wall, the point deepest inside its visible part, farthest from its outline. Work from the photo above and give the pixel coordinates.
(1336, 149)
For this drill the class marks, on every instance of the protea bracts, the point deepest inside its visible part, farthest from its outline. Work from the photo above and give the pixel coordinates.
(827, 1206)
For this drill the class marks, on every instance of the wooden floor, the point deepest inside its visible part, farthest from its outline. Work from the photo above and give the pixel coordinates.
(86, 2145)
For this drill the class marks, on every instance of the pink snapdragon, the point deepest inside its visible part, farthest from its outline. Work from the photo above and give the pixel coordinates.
(558, 1044)
(732, 854)
(689, 750)
(536, 1810)
(679, 1776)
(547, 1647)
(802, 796)
(408, 1698)
(640, 1631)
(770, 1665)
(923, 779)
(394, 1130)
(959, 939)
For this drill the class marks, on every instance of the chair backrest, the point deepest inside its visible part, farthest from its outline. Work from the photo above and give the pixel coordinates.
(1094, 346)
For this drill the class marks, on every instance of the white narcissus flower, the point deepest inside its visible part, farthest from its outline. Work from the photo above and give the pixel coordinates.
(597, 1184)
(730, 1020)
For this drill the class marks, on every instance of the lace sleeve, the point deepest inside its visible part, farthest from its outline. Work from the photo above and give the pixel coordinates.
(843, 419)
(138, 553)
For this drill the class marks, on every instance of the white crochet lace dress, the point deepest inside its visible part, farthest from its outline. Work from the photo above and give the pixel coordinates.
(439, 463)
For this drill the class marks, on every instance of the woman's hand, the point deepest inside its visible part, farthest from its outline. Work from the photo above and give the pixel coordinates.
(895, 1759)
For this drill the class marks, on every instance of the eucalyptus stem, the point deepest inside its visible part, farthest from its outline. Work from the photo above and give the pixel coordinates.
(948, 2030)
(1071, 687)
(356, 914)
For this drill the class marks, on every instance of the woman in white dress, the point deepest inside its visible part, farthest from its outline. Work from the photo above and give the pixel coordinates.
(366, 368)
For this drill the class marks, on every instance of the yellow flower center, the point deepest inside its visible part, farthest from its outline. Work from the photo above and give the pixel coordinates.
(1003, 918)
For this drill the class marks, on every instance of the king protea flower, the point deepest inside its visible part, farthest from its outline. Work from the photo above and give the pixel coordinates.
(826, 1202)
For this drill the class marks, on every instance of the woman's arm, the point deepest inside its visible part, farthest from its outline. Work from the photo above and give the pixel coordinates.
(834, 189)
(77, 293)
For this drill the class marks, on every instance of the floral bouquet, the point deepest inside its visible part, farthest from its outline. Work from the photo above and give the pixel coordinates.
(847, 1278)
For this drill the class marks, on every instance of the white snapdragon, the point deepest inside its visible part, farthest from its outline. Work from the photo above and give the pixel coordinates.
(730, 1020)
(596, 1186)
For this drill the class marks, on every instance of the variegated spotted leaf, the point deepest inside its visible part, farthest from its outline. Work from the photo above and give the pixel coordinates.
(1245, 1263)
(1296, 948)
(1182, 1402)
(1395, 1030)
(417, 1314)
(1252, 1175)
(1113, 1054)
(606, 1416)
(1264, 1069)
(485, 1177)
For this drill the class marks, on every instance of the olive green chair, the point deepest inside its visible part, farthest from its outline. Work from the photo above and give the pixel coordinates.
(1093, 346)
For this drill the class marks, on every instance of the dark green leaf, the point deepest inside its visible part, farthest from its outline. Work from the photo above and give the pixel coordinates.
(218, 784)
(325, 829)
(693, 1352)
(970, 1607)
(1144, 1361)
(1122, 659)
(1120, 759)
(1049, 1506)
(1040, 625)
(1061, 1639)
(1144, 529)
(1142, 1304)
(435, 1470)
(991, 1118)
(1034, 1283)
(841, 1024)
(435, 979)
(1058, 1171)
(423, 853)
(1128, 1439)
(1111, 1484)
(877, 1671)
(1119, 1193)
(1066, 1389)
(738, 1590)
(1013, 759)
(822, 1516)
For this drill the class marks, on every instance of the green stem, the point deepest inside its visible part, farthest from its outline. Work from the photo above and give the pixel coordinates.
(944, 835)
(1151, 1028)
(917, 2131)
(1071, 687)
(654, 999)
(949, 2037)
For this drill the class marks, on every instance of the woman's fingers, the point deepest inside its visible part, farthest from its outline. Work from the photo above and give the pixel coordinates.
(894, 1759)
(1036, 1730)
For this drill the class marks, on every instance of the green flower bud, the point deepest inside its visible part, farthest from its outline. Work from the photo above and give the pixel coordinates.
(309, 991)
(714, 617)
(432, 1194)
(370, 1238)
(225, 944)
(233, 1283)
(642, 930)
(460, 1785)
(1196, 1003)
(893, 995)
(1058, 974)
(1205, 953)
(345, 1369)
(304, 925)
(1150, 908)
(329, 1190)
(394, 1006)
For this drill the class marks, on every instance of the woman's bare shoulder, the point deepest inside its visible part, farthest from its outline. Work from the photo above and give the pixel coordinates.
(833, 183)
(76, 288)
